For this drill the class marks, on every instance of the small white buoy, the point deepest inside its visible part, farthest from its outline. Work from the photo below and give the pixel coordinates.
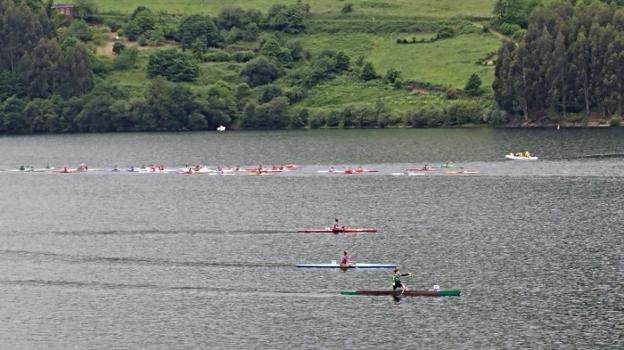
(436, 287)
(221, 128)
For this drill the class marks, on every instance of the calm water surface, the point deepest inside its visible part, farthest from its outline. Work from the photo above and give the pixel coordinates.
(109, 260)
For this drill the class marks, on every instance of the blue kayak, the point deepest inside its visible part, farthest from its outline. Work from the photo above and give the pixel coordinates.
(335, 265)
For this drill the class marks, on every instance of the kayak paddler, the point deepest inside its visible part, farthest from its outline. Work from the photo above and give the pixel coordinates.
(396, 280)
(345, 260)
(337, 228)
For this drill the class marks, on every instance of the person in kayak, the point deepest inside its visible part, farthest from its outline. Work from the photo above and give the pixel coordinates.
(336, 227)
(345, 259)
(396, 280)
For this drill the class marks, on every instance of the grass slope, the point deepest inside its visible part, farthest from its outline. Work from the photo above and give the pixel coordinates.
(444, 62)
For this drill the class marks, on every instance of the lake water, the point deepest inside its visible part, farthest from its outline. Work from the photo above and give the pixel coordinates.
(121, 260)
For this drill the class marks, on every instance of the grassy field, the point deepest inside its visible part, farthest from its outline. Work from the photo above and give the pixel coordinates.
(444, 62)
(417, 8)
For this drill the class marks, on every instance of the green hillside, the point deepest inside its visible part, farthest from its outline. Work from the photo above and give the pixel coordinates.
(371, 31)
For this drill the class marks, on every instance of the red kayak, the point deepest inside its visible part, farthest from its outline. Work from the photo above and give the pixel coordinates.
(340, 230)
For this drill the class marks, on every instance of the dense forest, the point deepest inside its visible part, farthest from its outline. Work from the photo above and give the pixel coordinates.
(556, 61)
(570, 60)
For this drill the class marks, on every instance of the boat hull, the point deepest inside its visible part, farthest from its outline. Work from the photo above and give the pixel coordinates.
(407, 293)
(342, 230)
(512, 157)
(351, 266)
(463, 173)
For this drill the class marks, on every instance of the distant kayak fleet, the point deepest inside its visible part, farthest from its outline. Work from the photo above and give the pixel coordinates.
(448, 168)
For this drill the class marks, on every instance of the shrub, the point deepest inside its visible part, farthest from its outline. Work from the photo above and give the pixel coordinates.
(445, 33)
(113, 25)
(273, 114)
(260, 71)
(126, 59)
(368, 72)
(118, 47)
(333, 119)
(80, 30)
(234, 35)
(392, 75)
(217, 56)
(495, 116)
(243, 56)
(299, 119)
(615, 121)
(270, 92)
(462, 112)
(198, 29)
(473, 85)
(289, 19)
(317, 120)
(508, 28)
(173, 65)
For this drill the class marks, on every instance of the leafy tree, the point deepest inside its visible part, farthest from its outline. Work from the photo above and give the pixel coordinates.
(10, 85)
(39, 69)
(251, 32)
(11, 115)
(173, 65)
(162, 107)
(269, 92)
(300, 118)
(41, 116)
(200, 29)
(80, 30)
(141, 21)
(260, 71)
(96, 113)
(75, 72)
(342, 62)
(473, 85)
(271, 48)
(289, 19)
(118, 47)
(273, 114)
(21, 30)
(368, 72)
(392, 75)
(220, 107)
(230, 17)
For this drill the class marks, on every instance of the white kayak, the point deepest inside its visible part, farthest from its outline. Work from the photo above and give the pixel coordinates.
(514, 157)
(408, 174)
(335, 265)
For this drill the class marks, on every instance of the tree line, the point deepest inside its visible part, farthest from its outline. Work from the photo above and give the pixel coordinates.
(571, 60)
